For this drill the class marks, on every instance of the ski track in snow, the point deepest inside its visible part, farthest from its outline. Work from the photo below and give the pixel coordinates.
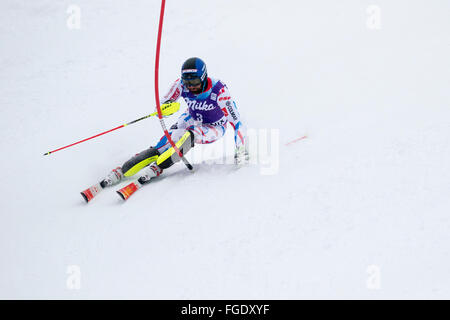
(369, 186)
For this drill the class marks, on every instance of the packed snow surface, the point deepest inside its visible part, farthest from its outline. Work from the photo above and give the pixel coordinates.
(358, 209)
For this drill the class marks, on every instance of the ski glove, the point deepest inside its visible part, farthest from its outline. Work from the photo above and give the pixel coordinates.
(169, 107)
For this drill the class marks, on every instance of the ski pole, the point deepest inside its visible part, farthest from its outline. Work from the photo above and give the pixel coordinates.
(167, 110)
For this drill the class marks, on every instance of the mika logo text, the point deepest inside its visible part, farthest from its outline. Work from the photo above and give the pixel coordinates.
(200, 105)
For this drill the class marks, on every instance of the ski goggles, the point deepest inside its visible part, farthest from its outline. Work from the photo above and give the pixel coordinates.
(193, 82)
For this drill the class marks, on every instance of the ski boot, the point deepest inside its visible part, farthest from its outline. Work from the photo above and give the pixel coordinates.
(114, 177)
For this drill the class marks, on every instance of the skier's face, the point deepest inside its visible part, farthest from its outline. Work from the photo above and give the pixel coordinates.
(193, 83)
(195, 89)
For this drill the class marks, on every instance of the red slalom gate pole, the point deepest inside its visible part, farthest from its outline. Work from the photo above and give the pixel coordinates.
(158, 107)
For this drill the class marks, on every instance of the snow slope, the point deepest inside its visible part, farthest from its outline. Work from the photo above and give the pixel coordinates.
(359, 209)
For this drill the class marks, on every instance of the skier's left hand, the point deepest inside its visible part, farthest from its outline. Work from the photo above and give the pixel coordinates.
(241, 156)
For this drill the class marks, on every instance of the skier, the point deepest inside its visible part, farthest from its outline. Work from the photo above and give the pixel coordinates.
(210, 109)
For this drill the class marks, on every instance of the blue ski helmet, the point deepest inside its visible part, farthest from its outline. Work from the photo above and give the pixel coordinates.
(193, 72)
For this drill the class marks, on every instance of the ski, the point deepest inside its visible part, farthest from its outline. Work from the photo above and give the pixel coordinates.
(124, 192)
(152, 172)
(129, 189)
(91, 192)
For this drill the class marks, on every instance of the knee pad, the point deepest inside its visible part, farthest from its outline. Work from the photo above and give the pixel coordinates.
(139, 161)
(170, 156)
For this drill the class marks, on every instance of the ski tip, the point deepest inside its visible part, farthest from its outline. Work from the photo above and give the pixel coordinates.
(84, 197)
(91, 192)
(128, 190)
(121, 195)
